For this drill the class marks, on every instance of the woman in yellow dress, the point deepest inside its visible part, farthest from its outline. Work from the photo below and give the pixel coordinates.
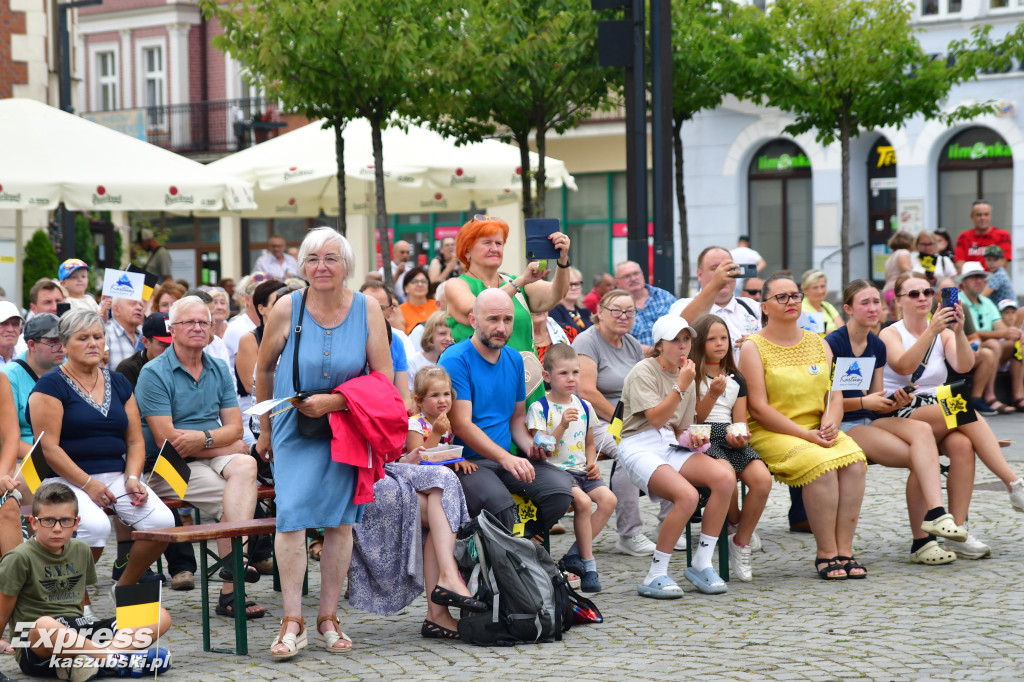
(787, 373)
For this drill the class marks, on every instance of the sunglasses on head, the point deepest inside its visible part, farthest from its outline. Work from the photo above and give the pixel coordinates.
(918, 293)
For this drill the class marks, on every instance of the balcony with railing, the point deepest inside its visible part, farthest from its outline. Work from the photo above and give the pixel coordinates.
(199, 128)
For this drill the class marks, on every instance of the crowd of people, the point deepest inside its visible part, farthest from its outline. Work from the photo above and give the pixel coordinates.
(528, 380)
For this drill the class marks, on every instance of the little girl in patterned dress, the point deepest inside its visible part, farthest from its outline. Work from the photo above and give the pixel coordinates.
(722, 404)
(428, 428)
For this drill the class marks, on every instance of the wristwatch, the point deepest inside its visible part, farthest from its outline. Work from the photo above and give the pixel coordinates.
(208, 443)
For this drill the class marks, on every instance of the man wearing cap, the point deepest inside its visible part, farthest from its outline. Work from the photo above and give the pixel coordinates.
(999, 287)
(44, 352)
(990, 333)
(488, 415)
(10, 329)
(159, 262)
(715, 270)
(156, 337)
(971, 244)
(276, 262)
(124, 329)
(43, 297)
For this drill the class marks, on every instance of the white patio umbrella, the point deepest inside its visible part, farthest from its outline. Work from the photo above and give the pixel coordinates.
(50, 156)
(296, 173)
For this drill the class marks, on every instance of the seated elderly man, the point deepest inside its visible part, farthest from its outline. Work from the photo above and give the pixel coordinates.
(188, 398)
(489, 414)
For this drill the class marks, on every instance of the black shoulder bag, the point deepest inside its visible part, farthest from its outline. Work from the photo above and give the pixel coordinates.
(309, 427)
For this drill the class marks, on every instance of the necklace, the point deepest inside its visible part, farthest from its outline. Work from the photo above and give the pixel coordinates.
(79, 381)
(323, 319)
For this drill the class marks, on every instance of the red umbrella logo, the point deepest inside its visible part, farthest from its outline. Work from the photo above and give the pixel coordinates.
(294, 168)
(101, 190)
(173, 190)
(519, 170)
(458, 172)
(438, 196)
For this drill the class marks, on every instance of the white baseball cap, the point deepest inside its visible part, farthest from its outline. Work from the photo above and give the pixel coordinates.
(9, 310)
(667, 328)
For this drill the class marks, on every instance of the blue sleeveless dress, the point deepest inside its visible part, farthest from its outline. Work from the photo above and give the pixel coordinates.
(314, 491)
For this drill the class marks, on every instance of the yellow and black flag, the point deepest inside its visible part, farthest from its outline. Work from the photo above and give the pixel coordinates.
(615, 425)
(34, 467)
(149, 282)
(173, 469)
(137, 605)
(955, 401)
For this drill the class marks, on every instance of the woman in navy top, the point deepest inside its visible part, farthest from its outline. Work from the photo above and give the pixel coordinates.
(888, 440)
(92, 441)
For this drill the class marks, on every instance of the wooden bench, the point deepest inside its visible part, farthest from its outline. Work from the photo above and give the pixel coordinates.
(204, 533)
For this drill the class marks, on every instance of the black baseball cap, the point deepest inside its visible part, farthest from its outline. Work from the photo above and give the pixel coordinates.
(155, 327)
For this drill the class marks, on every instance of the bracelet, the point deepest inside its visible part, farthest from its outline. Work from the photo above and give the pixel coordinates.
(862, 402)
(678, 390)
(568, 264)
(87, 482)
(513, 283)
(128, 478)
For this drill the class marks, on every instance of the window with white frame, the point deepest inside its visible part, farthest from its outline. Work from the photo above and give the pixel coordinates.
(934, 8)
(153, 83)
(106, 80)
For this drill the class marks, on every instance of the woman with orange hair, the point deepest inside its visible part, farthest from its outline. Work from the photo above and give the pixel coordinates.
(480, 248)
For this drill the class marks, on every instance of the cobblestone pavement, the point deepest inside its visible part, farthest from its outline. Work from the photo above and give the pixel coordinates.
(960, 621)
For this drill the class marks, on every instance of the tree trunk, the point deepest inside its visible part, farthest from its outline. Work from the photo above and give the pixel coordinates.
(684, 237)
(844, 226)
(523, 140)
(382, 211)
(339, 149)
(542, 175)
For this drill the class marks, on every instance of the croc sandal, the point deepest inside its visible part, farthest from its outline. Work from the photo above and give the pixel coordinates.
(707, 581)
(294, 641)
(825, 566)
(226, 607)
(945, 527)
(661, 587)
(850, 564)
(432, 630)
(932, 554)
(327, 640)
(444, 597)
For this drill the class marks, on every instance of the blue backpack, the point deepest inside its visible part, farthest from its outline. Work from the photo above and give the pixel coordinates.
(544, 405)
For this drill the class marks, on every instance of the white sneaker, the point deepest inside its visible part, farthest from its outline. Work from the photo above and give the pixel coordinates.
(637, 545)
(971, 548)
(680, 545)
(1017, 494)
(755, 541)
(739, 562)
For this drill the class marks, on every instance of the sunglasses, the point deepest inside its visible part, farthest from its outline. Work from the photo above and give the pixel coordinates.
(752, 292)
(917, 293)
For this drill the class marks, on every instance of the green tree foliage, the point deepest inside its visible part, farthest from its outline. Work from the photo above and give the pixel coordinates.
(708, 63)
(842, 67)
(40, 261)
(526, 67)
(342, 59)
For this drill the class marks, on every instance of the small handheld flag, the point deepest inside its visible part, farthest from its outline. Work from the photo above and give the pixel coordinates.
(173, 469)
(137, 605)
(954, 399)
(34, 466)
(149, 283)
(615, 425)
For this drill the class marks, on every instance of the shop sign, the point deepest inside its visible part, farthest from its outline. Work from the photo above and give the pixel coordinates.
(979, 150)
(886, 156)
(783, 162)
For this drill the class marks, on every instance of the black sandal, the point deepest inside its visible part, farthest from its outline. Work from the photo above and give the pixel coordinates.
(252, 574)
(829, 566)
(443, 597)
(849, 564)
(226, 607)
(432, 630)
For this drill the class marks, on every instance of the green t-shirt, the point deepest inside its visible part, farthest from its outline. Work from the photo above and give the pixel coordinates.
(984, 313)
(522, 325)
(46, 584)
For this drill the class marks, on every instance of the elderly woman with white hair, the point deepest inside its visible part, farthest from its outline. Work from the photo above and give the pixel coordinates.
(340, 335)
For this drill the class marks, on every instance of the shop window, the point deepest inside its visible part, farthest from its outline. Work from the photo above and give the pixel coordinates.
(780, 207)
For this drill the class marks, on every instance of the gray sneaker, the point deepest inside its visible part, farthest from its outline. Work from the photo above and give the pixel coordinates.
(637, 545)
(1017, 494)
(971, 548)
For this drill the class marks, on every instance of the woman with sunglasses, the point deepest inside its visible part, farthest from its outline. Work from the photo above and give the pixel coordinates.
(916, 353)
(794, 425)
(92, 440)
(480, 247)
(891, 441)
(568, 313)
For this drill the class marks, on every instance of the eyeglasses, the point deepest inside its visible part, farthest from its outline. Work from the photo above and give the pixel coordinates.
(190, 324)
(331, 260)
(752, 292)
(260, 277)
(575, 285)
(52, 345)
(783, 299)
(925, 244)
(133, 522)
(618, 312)
(50, 522)
(632, 275)
(420, 281)
(917, 293)
(481, 218)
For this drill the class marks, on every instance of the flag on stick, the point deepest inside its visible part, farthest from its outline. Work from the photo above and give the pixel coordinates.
(34, 466)
(615, 425)
(954, 399)
(150, 281)
(173, 469)
(137, 605)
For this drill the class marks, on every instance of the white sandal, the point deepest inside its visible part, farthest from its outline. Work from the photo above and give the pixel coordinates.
(328, 639)
(294, 641)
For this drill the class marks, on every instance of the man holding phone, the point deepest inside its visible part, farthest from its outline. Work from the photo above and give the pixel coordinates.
(717, 273)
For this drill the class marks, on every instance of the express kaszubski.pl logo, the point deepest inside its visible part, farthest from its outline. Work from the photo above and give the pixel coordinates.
(100, 197)
(174, 197)
(62, 641)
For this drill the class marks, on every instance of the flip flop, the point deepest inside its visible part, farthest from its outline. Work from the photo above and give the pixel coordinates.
(661, 587)
(707, 581)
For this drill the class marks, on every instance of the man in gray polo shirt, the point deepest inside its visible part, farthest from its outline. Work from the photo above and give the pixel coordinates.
(188, 398)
